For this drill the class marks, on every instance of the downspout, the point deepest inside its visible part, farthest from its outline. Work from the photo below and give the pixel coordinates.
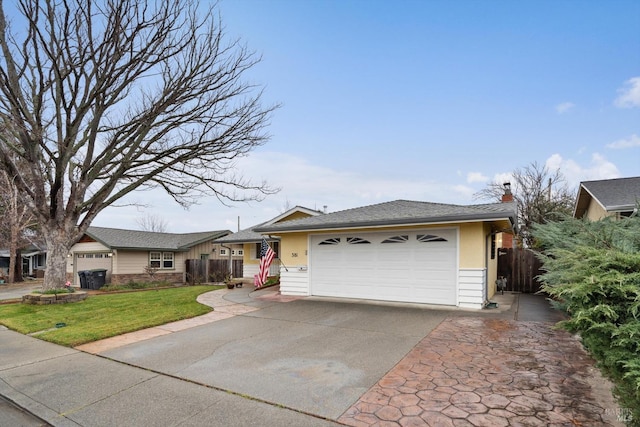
(485, 284)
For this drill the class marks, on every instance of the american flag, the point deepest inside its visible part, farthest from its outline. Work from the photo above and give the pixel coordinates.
(266, 256)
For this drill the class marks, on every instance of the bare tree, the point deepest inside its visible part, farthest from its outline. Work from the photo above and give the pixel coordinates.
(99, 100)
(153, 223)
(541, 196)
(17, 218)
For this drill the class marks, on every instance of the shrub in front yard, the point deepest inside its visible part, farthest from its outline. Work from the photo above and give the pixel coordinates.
(593, 270)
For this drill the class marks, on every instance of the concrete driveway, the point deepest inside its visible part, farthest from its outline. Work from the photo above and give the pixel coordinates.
(317, 357)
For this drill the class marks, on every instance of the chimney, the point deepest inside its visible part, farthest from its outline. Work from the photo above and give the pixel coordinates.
(507, 239)
(507, 196)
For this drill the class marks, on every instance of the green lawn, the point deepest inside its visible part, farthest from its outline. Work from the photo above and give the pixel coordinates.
(105, 316)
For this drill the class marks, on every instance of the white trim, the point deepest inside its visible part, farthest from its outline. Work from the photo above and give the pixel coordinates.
(295, 281)
(291, 211)
(414, 227)
(471, 287)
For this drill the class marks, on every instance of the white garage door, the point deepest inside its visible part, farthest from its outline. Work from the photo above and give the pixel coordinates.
(91, 261)
(417, 266)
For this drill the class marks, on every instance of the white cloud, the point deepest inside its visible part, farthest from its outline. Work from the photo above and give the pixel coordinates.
(302, 183)
(629, 94)
(564, 107)
(476, 177)
(632, 141)
(599, 168)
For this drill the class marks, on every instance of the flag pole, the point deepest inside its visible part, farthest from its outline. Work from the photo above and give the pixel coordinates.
(282, 264)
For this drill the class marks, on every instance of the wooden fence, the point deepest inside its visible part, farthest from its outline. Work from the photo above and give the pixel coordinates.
(199, 272)
(521, 268)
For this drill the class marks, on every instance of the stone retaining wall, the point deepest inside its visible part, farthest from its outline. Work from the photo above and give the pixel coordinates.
(61, 298)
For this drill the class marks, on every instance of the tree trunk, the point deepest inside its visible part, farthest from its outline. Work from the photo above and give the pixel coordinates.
(18, 276)
(58, 245)
(13, 246)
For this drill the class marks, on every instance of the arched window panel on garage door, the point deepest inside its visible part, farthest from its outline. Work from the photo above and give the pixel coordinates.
(397, 239)
(357, 241)
(430, 238)
(330, 241)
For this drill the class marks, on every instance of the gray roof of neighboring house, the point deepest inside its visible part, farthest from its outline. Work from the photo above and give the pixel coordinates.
(243, 236)
(620, 194)
(398, 212)
(116, 238)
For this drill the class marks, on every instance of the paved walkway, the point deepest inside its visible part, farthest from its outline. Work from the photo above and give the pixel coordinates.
(220, 300)
(489, 372)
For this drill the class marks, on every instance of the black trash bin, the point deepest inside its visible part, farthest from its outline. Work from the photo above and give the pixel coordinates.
(83, 279)
(99, 277)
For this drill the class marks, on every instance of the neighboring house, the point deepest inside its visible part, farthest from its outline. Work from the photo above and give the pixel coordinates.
(34, 260)
(608, 197)
(126, 253)
(403, 251)
(248, 242)
(4, 263)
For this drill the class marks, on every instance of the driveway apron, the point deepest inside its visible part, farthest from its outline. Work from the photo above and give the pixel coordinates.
(317, 357)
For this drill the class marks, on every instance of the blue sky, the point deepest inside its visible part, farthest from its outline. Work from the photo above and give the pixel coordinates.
(426, 100)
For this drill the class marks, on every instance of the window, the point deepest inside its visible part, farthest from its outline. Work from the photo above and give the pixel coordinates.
(167, 260)
(397, 239)
(330, 241)
(430, 238)
(162, 260)
(275, 247)
(223, 251)
(357, 241)
(204, 257)
(237, 252)
(154, 259)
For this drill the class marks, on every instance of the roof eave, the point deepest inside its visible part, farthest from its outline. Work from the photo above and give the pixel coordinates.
(398, 222)
(213, 236)
(239, 241)
(128, 248)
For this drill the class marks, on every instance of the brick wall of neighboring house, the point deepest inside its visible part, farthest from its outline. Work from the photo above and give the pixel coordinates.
(123, 279)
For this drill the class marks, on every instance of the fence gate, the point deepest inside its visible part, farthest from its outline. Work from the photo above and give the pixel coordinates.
(217, 270)
(521, 268)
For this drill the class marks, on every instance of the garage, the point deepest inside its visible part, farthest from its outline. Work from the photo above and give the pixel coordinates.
(92, 261)
(406, 266)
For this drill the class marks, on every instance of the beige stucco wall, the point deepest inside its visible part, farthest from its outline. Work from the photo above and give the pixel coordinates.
(595, 211)
(249, 256)
(293, 249)
(492, 264)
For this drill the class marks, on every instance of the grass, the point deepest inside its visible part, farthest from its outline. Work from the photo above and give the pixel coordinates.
(105, 316)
